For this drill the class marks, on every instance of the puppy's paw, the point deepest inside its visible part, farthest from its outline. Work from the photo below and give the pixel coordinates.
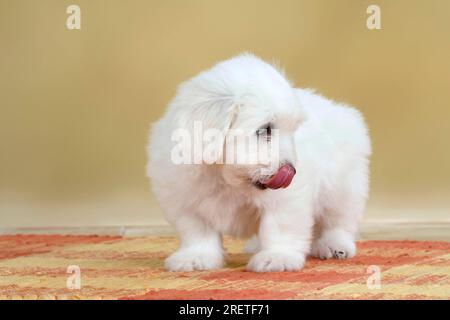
(270, 261)
(190, 260)
(338, 244)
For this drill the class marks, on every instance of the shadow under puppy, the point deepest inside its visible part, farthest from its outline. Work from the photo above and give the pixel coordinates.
(305, 198)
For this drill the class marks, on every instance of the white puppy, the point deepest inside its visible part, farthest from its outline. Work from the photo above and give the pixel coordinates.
(307, 199)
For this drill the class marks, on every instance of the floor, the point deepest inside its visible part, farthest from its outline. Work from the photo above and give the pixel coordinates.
(117, 267)
(127, 263)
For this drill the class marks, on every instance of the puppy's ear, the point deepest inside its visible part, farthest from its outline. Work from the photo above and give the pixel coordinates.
(208, 119)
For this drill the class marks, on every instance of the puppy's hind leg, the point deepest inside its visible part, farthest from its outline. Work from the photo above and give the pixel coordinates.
(252, 246)
(334, 242)
(337, 226)
(200, 246)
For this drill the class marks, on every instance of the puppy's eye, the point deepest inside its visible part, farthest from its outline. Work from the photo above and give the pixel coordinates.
(264, 131)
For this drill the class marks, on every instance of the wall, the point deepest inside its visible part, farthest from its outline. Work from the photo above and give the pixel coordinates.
(76, 104)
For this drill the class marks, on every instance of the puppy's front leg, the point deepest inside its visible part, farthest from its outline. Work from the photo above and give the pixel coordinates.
(200, 246)
(284, 235)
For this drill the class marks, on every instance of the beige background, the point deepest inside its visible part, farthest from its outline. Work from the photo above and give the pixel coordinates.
(76, 105)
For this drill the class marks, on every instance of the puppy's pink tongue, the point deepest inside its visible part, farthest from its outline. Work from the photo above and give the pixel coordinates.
(281, 179)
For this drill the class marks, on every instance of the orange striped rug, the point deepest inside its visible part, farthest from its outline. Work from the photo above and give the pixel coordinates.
(102, 267)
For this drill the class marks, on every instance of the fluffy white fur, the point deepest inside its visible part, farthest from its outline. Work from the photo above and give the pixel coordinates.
(317, 214)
